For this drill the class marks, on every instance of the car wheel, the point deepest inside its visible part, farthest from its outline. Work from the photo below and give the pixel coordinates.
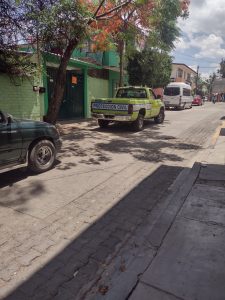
(41, 156)
(160, 118)
(138, 124)
(103, 123)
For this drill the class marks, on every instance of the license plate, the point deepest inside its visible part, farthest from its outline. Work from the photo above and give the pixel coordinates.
(110, 106)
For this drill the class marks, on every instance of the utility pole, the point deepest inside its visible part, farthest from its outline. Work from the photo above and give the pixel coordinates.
(196, 84)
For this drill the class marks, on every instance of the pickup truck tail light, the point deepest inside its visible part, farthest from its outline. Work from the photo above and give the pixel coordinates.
(130, 109)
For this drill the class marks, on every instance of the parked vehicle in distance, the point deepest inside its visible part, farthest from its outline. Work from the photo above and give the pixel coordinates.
(177, 95)
(197, 100)
(27, 142)
(132, 105)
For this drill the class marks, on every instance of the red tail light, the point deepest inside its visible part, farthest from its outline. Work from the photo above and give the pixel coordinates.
(130, 109)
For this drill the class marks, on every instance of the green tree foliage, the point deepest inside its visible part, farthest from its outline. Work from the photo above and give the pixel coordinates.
(10, 36)
(61, 25)
(149, 67)
(210, 81)
(221, 71)
(165, 31)
(152, 65)
(52, 24)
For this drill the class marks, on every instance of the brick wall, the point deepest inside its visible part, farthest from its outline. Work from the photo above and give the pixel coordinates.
(17, 98)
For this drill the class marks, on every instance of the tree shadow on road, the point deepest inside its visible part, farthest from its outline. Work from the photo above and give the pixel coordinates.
(94, 146)
(149, 145)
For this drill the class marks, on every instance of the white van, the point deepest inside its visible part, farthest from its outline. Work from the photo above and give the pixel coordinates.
(177, 95)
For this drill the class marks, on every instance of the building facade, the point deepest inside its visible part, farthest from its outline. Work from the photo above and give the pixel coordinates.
(183, 73)
(89, 75)
(18, 98)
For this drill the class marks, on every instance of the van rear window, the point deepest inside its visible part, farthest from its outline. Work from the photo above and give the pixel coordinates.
(172, 91)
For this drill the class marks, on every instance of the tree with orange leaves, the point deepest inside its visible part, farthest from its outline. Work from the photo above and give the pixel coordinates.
(93, 13)
(59, 24)
(64, 24)
(135, 23)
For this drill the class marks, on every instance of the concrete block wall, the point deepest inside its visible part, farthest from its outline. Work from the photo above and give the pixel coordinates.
(18, 98)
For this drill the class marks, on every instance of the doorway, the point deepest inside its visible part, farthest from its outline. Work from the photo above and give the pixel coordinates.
(73, 100)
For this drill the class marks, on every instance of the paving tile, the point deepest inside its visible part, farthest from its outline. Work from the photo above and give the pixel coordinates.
(145, 292)
(190, 263)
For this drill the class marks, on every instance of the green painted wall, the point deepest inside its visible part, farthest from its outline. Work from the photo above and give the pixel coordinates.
(78, 53)
(113, 82)
(20, 100)
(110, 58)
(114, 78)
(96, 88)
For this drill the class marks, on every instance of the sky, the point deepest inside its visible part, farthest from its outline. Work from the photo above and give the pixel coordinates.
(202, 40)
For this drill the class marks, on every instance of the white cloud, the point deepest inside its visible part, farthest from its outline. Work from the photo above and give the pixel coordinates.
(181, 44)
(203, 36)
(204, 29)
(211, 46)
(206, 16)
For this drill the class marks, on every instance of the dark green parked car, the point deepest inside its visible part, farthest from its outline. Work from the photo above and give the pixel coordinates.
(27, 142)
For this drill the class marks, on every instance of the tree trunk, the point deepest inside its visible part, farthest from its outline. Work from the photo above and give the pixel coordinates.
(121, 52)
(59, 85)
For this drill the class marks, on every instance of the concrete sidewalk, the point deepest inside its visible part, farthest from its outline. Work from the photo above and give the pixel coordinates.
(190, 237)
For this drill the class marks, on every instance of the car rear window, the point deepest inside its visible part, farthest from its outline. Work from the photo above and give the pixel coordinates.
(131, 93)
(172, 91)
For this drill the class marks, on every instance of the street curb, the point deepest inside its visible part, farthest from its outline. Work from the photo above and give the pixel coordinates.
(179, 180)
(176, 201)
(217, 134)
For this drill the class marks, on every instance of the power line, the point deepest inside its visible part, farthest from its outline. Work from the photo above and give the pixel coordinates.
(208, 67)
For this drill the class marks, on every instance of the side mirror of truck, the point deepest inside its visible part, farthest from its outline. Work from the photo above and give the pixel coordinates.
(9, 120)
(3, 118)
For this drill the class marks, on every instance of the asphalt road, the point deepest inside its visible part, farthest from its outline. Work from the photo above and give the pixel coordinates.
(60, 230)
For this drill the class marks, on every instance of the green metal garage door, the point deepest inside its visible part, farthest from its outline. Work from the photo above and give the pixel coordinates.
(73, 100)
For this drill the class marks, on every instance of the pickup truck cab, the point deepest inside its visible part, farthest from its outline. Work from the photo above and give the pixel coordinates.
(131, 104)
(27, 142)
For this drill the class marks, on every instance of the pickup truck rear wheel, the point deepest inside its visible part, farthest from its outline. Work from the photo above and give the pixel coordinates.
(138, 124)
(160, 118)
(41, 156)
(103, 123)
